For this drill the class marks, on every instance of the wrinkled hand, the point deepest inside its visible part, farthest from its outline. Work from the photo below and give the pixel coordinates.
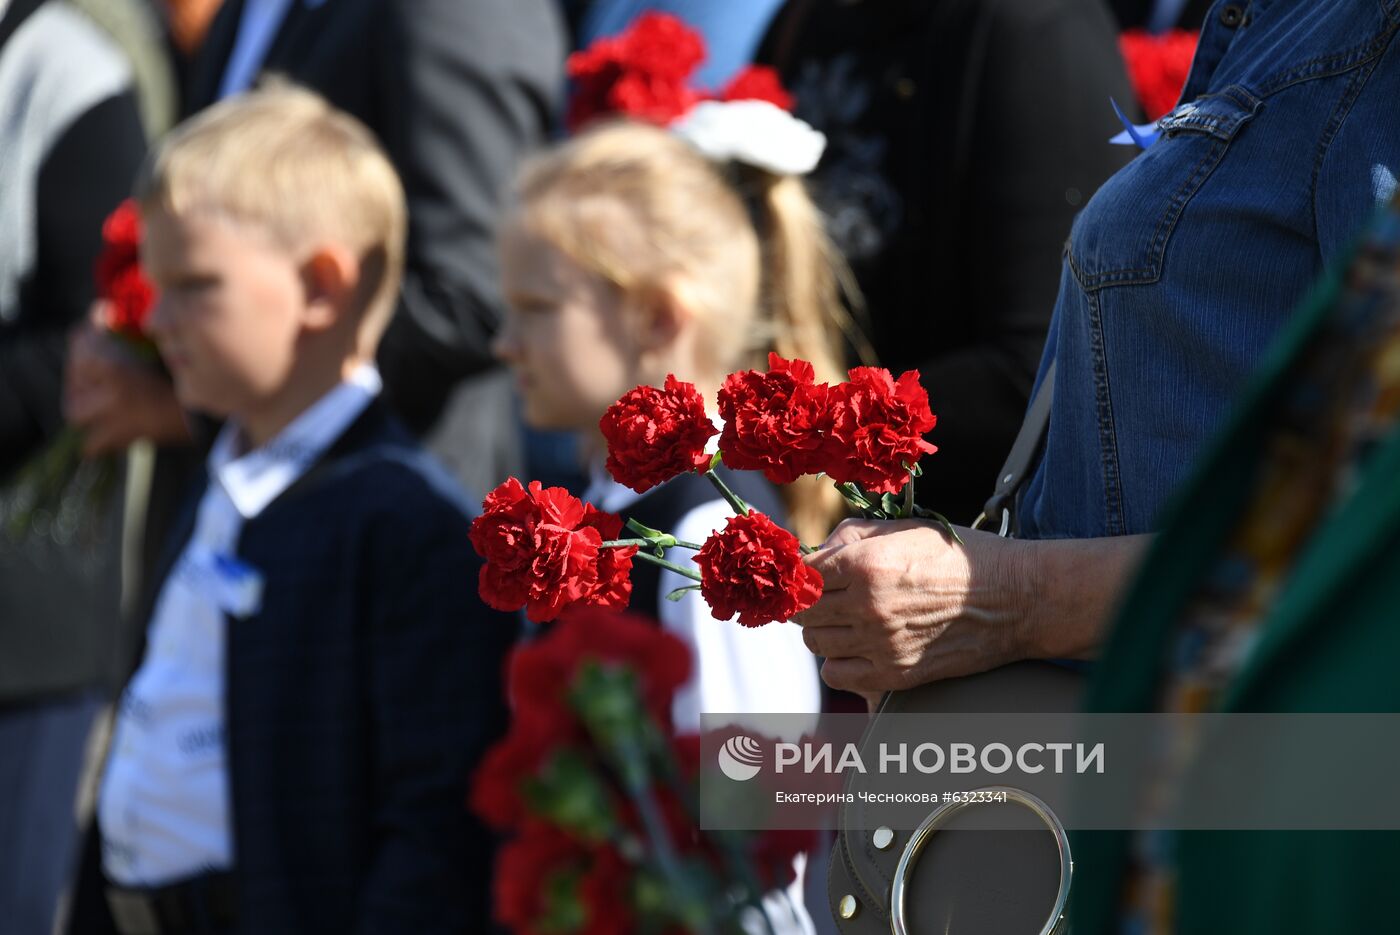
(114, 398)
(904, 604)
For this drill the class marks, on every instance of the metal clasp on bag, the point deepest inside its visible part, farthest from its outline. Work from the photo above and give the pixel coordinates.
(1055, 924)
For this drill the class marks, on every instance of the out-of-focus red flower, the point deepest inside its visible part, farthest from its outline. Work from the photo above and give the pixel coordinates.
(643, 73)
(758, 83)
(539, 673)
(650, 98)
(655, 434)
(753, 567)
(1158, 66)
(122, 228)
(130, 297)
(497, 791)
(774, 422)
(120, 280)
(662, 45)
(604, 894)
(877, 427)
(640, 73)
(543, 552)
(544, 866)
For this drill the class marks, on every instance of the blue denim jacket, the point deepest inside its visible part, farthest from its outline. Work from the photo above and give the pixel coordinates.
(1180, 270)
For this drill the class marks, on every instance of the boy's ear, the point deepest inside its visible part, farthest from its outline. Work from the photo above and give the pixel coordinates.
(330, 276)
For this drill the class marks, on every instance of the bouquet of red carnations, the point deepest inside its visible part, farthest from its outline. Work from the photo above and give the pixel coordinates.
(545, 550)
(600, 797)
(60, 493)
(645, 72)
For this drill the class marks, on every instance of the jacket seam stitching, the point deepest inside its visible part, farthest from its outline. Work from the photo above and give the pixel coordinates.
(1145, 275)
(1338, 119)
(1329, 66)
(1108, 442)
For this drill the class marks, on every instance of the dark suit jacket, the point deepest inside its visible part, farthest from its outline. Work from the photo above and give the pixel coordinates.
(358, 700)
(457, 91)
(962, 137)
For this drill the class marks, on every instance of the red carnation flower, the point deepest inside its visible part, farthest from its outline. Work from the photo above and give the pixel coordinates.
(877, 428)
(640, 73)
(758, 83)
(522, 867)
(544, 866)
(540, 672)
(774, 421)
(604, 891)
(538, 677)
(543, 552)
(130, 297)
(650, 98)
(754, 568)
(603, 54)
(497, 785)
(614, 588)
(1158, 66)
(120, 279)
(662, 45)
(655, 434)
(122, 228)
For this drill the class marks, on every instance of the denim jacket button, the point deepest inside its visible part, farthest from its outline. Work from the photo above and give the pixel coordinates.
(1231, 15)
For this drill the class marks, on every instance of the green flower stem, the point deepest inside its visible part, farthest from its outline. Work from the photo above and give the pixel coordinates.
(646, 532)
(854, 496)
(666, 855)
(660, 542)
(739, 506)
(943, 521)
(690, 573)
(907, 510)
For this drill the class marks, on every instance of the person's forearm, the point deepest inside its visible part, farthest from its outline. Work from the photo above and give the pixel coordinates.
(1069, 590)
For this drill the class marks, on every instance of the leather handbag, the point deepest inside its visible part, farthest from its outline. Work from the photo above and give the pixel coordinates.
(942, 878)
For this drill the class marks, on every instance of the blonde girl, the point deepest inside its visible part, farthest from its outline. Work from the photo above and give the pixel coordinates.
(629, 255)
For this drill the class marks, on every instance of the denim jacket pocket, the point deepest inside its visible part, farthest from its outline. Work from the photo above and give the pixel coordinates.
(1148, 196)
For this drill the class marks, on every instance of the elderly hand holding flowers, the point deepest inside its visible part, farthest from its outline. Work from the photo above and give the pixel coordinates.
(545, 550)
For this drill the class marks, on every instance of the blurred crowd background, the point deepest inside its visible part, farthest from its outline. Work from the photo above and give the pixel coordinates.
(960, 147)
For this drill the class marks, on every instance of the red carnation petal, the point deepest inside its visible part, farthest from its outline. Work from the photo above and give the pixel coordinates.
(758, 83)
(754, 568)
(655, 434)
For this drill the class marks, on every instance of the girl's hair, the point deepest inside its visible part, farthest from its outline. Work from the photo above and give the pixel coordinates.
(743, 249)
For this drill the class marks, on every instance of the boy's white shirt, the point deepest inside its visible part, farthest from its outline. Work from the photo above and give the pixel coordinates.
(163, 809)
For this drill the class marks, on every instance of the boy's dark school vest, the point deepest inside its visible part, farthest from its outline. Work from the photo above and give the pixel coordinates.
(663, 507)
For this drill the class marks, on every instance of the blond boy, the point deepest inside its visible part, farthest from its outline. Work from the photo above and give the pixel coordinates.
(319, 676)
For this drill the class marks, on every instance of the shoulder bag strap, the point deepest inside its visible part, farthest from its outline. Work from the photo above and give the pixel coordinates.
(1001, 506)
